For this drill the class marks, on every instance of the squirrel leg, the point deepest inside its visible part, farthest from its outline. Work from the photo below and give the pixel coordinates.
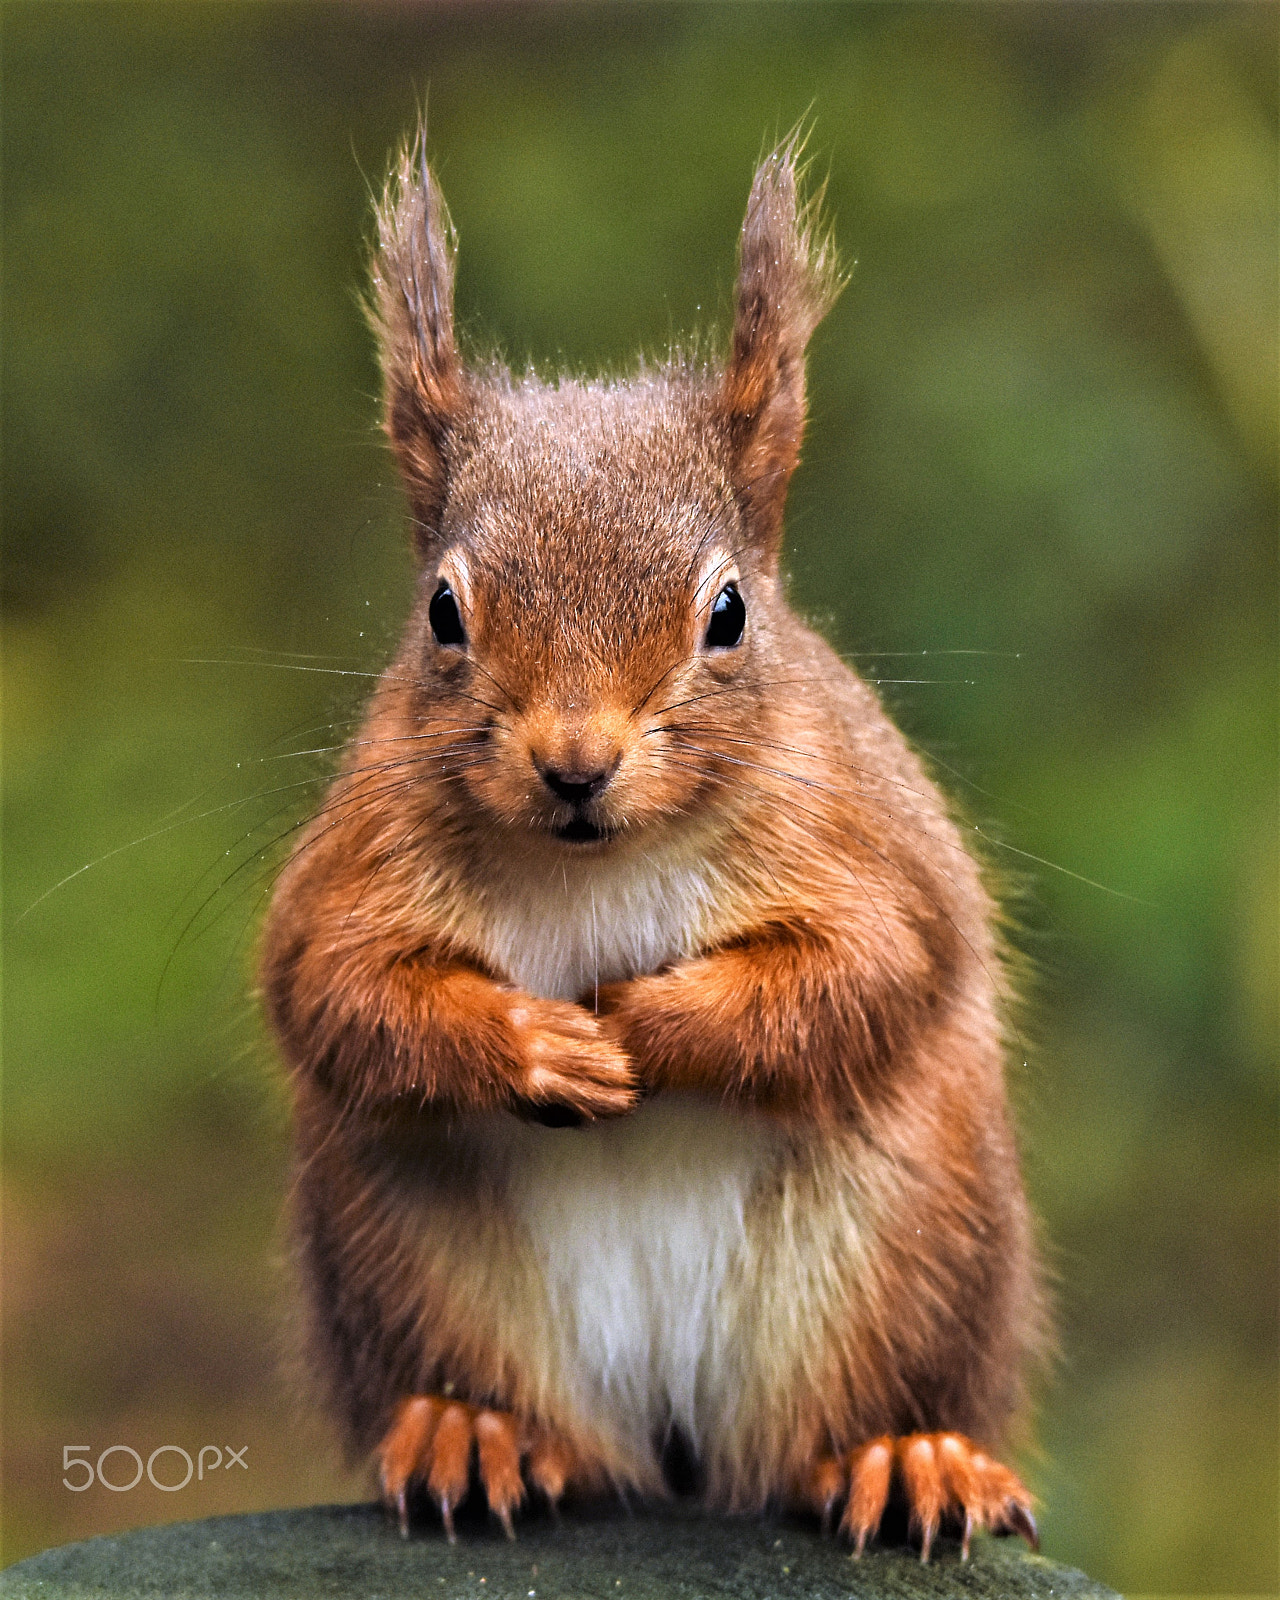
(940, 1477)
(433, 1440)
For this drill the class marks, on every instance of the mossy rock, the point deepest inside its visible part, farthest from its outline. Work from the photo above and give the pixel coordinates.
(605, 1554)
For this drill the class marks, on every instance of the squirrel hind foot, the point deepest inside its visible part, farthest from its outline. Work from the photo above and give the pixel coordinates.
(444, 1445)
(940, 1479)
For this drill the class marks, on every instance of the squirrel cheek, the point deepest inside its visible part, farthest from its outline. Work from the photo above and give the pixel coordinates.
(724, 667)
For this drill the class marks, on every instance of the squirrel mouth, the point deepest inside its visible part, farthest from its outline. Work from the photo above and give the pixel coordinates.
(581, 830)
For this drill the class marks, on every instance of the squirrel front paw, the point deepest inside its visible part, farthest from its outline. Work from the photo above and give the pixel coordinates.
(433, 1440)
(573, 1071)
(940, 1476)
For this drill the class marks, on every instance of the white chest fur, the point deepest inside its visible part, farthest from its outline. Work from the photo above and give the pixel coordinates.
(639, 1227)
(559, 928)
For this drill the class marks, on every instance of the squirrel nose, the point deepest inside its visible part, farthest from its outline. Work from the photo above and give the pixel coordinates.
(575, 784)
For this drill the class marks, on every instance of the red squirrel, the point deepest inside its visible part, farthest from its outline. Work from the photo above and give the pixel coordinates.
(642, 1003)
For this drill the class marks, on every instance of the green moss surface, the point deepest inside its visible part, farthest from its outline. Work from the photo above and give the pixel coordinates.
(603, 1555)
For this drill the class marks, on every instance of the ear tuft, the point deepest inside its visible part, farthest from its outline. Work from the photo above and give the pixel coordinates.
(788, 279)
(425, 387)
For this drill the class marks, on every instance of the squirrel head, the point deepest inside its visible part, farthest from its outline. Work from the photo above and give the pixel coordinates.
(598, 561)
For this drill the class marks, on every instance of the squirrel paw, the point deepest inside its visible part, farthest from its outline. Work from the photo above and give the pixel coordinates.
(940, 1476)
(573, 1066)
(433, 1440)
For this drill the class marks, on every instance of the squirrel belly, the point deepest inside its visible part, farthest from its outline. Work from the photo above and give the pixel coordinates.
(631, 1245)
(645, 1231)
(687, 1266)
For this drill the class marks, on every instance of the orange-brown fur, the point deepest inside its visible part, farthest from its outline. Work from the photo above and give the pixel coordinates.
(797, 956)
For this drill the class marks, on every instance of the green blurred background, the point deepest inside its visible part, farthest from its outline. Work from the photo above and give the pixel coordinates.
(1043, 436)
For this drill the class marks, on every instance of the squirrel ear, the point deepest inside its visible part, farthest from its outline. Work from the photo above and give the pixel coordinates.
(788, 280)
(426, 391)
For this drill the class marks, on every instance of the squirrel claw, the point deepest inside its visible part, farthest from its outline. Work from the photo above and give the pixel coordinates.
(1018, 1519)
(943, 1478)
(446, 1443)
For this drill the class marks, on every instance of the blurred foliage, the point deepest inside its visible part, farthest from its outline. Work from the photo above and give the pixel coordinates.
(1038, 506)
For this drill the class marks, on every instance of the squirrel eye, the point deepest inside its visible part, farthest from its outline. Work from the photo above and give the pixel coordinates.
(728, 619)
(445, 618)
